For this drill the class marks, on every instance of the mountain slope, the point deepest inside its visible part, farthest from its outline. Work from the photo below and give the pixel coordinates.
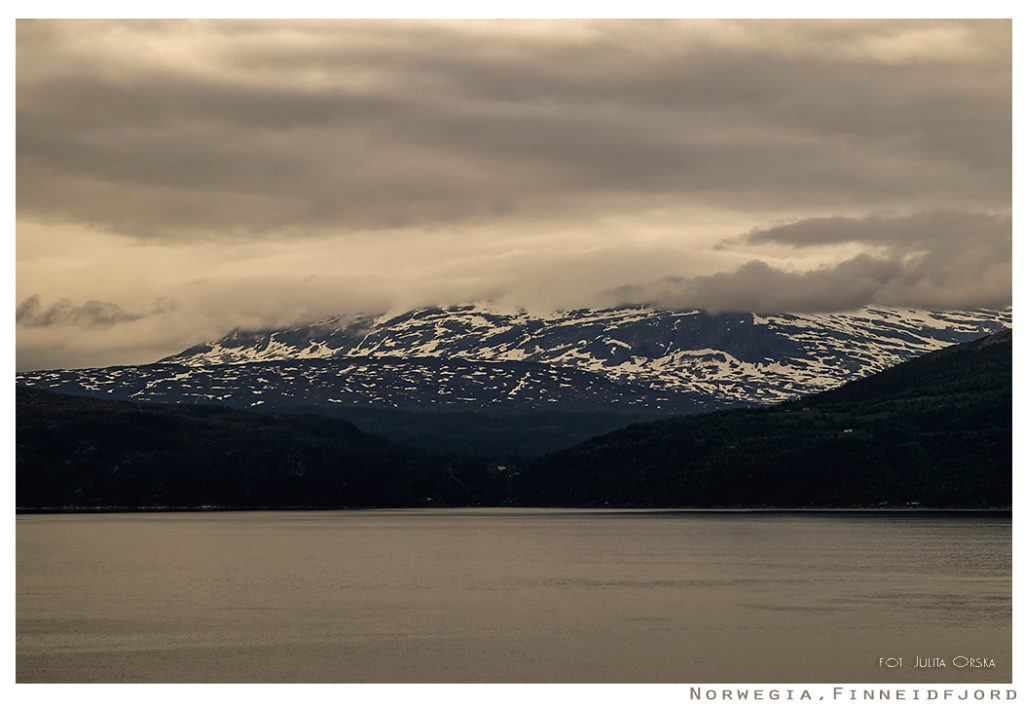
(84, 452)
(487, 408)
(732, 358)
(935, 431)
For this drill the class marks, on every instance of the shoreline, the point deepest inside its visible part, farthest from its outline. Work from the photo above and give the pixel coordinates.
(990, 511)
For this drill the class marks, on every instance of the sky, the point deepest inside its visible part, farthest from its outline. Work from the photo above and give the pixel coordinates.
(178, 179)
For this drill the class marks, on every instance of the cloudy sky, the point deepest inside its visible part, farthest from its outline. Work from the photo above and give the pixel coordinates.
(176, 180)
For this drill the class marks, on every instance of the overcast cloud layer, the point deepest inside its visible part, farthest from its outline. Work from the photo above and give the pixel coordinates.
(178, 179)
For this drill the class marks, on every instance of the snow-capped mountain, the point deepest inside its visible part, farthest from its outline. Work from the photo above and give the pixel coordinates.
(722, 358)
(473, 379)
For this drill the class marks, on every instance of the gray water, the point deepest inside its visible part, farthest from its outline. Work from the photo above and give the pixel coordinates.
(511, 596)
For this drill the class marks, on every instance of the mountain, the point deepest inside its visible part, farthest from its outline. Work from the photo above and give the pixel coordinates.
(723, 358)
(480, 381)
(933, 431)
(89, 453)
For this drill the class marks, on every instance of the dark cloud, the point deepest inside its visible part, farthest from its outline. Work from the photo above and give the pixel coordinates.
(92, 314)
(931, 230)
(315, 127)
(935, 259)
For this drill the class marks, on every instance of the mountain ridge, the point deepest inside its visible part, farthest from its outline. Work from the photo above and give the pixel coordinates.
(728, 357)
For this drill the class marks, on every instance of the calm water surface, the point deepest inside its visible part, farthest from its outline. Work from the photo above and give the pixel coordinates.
(510, 595)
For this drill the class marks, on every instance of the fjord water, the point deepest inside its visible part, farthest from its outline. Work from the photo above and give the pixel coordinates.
(512, 596)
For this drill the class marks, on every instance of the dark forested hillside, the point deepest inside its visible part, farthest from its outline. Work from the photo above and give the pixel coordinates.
(935, 431)
(79, 451)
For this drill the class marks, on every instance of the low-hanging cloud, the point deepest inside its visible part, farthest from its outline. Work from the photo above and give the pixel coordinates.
(758, 287)
(929, 230)
(92, 314)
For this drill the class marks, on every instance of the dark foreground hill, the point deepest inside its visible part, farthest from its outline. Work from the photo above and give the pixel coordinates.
(935, 431)
(84, 452)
